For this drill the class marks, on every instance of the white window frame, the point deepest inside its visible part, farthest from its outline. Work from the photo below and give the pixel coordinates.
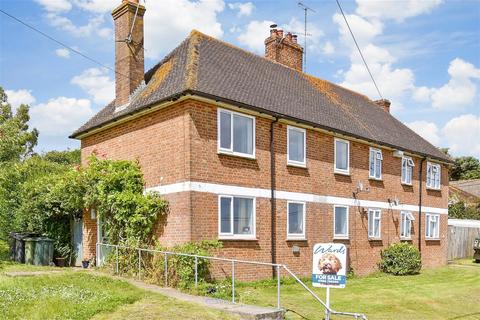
(410, 164)
(231, 235)
(375, 159)
(371, 233)
(335, 169)
(303, 163)
(431, 179)
(428, 217)
(406, 219)
(341, 236)
(297, 236)
(230, 150)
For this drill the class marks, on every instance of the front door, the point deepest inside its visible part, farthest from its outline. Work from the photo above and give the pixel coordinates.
(77, 241)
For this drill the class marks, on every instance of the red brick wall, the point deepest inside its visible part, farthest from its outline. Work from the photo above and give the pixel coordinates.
(89, 236)
(180, 144)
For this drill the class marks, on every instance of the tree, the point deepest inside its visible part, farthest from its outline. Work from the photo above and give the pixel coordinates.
(465, 168)
(16, 140)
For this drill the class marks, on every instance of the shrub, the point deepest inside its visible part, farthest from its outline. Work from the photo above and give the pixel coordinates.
(400, 259)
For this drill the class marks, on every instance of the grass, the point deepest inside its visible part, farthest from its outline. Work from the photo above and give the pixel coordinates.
(451, 292)
(81, 295)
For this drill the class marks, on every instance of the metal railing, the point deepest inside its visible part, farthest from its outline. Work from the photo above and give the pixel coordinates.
(234, 262)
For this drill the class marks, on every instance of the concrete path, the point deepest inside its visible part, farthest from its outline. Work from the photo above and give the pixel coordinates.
(246, 312)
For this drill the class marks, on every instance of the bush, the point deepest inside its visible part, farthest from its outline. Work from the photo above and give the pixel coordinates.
(400, 259)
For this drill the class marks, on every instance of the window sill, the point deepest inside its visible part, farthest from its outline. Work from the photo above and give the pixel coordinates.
(296, 239)
(374, 239)
(432, 239)
(240, 238)
(434, 189)
(296, 165)
(343, 173)
(236, 154)
(407, 184)
(341, 238)
(375, 179)
(405, 239)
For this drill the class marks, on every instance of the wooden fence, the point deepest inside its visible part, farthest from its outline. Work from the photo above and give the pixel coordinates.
(461, 234)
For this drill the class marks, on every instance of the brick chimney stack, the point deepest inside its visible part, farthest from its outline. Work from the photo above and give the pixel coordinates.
(129, 59)
(384, 104)
(284, 50)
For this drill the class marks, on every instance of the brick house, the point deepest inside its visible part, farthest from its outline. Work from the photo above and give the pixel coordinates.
(268, 159)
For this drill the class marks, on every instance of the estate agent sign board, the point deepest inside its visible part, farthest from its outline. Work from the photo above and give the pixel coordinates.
(329, 265)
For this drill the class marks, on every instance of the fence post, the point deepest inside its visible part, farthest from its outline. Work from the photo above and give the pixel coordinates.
(166, 270)
(196, 272)
(278, 287)
(139, 263)
(233, 281)
(116, 253)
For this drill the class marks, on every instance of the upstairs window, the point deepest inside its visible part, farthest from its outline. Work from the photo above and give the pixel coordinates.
(296, 220)
(236, 217)
(406, 219)
(296, 146)
(432, 226)
(342, 156)
(407, 170)
(340, 222)
(374, 223)
(376, 159)
(236, 133)
(433, 175)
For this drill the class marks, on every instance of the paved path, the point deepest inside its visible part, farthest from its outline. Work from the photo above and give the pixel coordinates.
(246, 312)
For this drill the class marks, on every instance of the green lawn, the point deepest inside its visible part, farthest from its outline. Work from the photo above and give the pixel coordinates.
(451, 292)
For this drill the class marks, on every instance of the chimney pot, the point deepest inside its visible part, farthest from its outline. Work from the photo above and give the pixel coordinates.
(287, 52)
(384, 104)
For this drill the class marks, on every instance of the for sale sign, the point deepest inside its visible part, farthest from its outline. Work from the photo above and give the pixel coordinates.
(329, 265)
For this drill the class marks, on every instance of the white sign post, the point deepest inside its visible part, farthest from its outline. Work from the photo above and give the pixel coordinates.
(329, 268)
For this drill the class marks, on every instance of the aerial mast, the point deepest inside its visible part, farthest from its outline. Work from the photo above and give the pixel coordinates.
(305, 8)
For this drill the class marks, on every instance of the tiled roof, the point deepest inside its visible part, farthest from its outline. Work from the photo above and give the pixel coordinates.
(470, 186)
(208, 67)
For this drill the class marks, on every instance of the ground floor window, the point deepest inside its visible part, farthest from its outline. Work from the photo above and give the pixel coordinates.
(296, 220)
(340, 222)
(236, 217)
(406, 219)
(432, 225)
(374, 223)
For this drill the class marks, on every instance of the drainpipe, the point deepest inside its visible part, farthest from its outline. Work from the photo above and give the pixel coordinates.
(420, 170)
(272, 196)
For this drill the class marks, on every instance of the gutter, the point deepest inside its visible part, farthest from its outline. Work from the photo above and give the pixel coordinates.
(420, 172)
(273, 222)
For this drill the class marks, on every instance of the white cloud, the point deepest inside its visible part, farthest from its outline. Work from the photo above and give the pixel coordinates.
(162, 32)
(328, 48)
(93, 26)
(97, 84)
(97, 6)
(460, 91)
(63, 53)
(395, 9)
(365, 30)
(60, 116)
(55, 5)
(254, 35)
(462, 135)
(244, 8)
(427, 130)
(17, 97)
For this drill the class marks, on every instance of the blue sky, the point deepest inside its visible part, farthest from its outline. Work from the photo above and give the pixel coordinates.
(424, 55)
